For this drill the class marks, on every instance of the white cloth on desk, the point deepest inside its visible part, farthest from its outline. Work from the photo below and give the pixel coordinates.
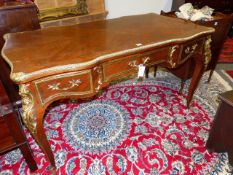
(188, 12)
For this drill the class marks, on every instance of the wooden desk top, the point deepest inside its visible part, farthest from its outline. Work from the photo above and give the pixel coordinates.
(62, 49)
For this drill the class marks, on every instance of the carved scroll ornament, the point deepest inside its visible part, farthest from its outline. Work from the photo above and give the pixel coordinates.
(207, 51)
(170, 59)
(27, 104)
(18, 76)
(99, 70)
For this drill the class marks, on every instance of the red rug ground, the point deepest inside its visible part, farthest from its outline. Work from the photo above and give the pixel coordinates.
(136, 128)
(226, 55)
(230, 73)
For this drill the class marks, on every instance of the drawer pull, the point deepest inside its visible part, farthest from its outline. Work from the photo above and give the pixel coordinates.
(190, 50)
(133, 64)
(171, 55)
(146, 60)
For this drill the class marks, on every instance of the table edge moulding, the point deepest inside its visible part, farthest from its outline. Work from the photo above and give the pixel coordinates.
(113, 52)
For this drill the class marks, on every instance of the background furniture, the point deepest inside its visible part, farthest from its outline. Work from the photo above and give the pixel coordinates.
(221, 23)
(176, 4)
(15, 17)
(224, 6)
(220, 138)
(96, 12)
(11, 132)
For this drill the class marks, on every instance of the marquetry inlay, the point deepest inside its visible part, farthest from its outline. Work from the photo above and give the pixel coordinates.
(72, 83)
(190, 50)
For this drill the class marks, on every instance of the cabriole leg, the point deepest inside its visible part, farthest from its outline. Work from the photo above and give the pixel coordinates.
(33, 119)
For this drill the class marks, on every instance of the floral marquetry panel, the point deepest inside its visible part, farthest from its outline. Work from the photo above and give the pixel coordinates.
(64, 85)
(190, 48)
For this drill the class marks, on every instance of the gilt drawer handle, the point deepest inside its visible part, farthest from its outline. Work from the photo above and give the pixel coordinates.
(171, 56)
(145, 60)
(133, 64)
(190, 50)
(72, 83)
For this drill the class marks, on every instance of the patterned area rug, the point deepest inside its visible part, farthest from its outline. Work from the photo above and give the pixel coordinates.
(141, 128)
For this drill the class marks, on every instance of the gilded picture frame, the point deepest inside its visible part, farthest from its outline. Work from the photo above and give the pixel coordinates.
(56, 9)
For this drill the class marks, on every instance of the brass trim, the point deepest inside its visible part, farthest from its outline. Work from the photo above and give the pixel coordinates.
(207, 51)
(190, 50)
(73, 67)
(99, 70)
(63, 94)
(170, 58)
(17, 77)
(146, 59)
(182, 60)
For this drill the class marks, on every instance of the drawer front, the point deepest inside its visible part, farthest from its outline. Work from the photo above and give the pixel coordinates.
(121, 68)
(64, 85)
(190, 48)
(128, 66)
(155, 56)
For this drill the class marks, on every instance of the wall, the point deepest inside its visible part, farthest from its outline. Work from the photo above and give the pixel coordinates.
(117, 8)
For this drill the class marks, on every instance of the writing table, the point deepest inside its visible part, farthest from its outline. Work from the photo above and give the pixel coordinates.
(80, 60)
